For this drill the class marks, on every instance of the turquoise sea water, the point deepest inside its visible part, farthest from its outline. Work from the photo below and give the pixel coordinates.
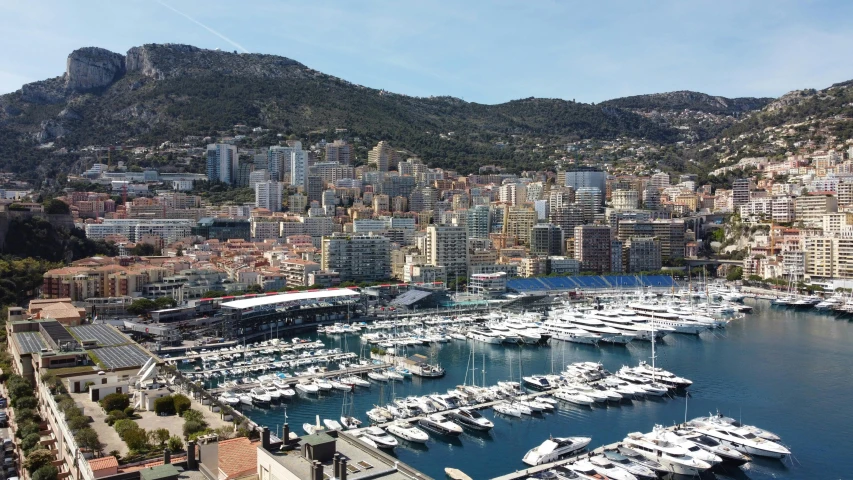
(787, 371)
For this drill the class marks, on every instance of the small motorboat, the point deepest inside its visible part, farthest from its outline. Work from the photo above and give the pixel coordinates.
(332, 424)
(377, 376)
(507, 409)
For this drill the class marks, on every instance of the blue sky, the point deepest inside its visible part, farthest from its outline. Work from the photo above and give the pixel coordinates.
(487, 52)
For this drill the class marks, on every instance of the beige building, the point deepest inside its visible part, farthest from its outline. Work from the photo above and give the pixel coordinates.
(810, 209)
(448, 247)
(381, 156)
(518, 223)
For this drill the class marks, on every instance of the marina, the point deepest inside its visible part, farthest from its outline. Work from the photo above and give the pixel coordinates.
(711, 359)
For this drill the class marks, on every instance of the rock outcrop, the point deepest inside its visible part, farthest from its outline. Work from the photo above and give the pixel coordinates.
(92, 68)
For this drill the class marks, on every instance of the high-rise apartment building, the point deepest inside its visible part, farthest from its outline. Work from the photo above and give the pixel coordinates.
(669, 232)
(448, 247)
(546, 240)
(589, 199)
(268, 194)
(593, 248)
(740, 192)
(567, 217)
(587, 177)
(625, 199)
(222, 161)
(381, 157)
(478, 221)
(810, 209)
(644, 254)
(357, 257)
(518, 223)
(298, 167)
(339, 151)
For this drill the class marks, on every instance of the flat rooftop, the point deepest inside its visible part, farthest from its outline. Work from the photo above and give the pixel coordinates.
(291, 297)
(362, 462)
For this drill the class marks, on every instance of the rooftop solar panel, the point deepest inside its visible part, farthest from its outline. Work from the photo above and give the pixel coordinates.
(29, 342)
(122, 356)
(104, 334)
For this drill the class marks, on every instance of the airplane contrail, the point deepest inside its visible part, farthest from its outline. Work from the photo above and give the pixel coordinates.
(232, 42)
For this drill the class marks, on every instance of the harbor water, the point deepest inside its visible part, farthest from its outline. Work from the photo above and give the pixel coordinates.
(784, 370)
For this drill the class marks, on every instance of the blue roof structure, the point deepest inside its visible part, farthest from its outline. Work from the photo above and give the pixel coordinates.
(545, 284)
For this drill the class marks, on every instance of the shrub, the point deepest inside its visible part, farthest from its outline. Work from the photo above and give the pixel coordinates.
(124, 425)
(30, 441)
(47, 472)
(194, 416)
(176, 444)
(115, 401)
(136, 439)
(27, 414)
(165, 405)
(182, 403)
(129, 411)
(195, 435)
(27, 428)
(25, 402)
(191, 427)
(37, 459)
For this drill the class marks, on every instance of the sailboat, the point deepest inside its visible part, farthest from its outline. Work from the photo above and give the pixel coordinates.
(348, 421)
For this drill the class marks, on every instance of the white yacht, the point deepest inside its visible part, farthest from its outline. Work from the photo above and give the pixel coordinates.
(470, 418)
(673, 457)
(507, 409)
(440, 425)
(593, 325)
(260, 397)
(742, 440)
(568, 333)
(332, 424)
(407, 432)
(660, 375)
(229, 399)
(639, 469)
(485, 335)
(592, 470)
(355, 381)
(529, 332)
(573, 396)
(554, 448)
(692, 448)
(323, 384)
(377, 376)
(376, 437)
(633, 325)
(659, 316)
(538, 382)
(350, 422)
(509, 336)
(720, 419)
(306, 386)
(273, 392)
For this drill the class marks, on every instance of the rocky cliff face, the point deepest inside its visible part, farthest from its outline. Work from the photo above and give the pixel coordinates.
(91, 68)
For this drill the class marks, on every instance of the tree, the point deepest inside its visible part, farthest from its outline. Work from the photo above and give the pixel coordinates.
(141, 306)
(47, 472)
(144, 250)
(115, 401)
(25, 402)
(735, 274)
(88, 438)
(182, 404)
(165, 405)
(161, 436)
(56, 207)
(124, 425)
(77, 423)
(37, 459)
(19, 387)
(176, 444)
(165, 302)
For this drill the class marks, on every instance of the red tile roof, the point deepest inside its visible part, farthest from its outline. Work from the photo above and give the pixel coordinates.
(238, 457)
(103, 463)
